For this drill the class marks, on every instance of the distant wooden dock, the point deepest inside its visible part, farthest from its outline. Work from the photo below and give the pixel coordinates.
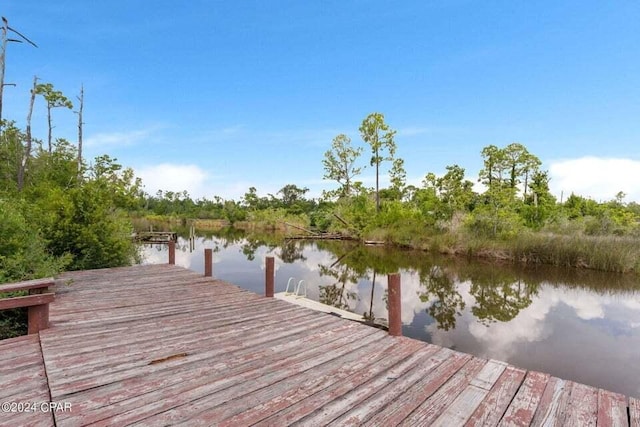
(161, 345)
(155, 236)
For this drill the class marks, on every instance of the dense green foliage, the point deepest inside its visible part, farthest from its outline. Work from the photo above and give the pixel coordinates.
(514, 217)
(63, 217)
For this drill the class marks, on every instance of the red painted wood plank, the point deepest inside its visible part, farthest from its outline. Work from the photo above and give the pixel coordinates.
(177, 404)
(496, 402)
(551, 407)
(612, 409)
(404, 353)
(634, 412)
(21, 361)
(302, 383)
(31, 419)
(231, 373)
(27, 284)
(470, 398)
(114, 346)
(523, 407)
(321, 380)
(394, 412)
(143, 389)
(26, 301)
(62, 356)
(22, 346)
(432, 407)
(364, 410)
(90, 379)
(19, 341)
(358, 405)
(325, 414)
(130, 357)
(20, 383)
(582, 406)
(177, 322)
(164, 376)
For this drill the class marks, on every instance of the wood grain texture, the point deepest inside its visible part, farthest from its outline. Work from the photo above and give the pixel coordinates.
(27, 285)
(493, 406)
(524, 404)
(161, 345)
(634, 412)
(25, 383)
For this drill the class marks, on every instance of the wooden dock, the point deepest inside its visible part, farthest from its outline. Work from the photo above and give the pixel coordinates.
(155, 236)
(161, 345)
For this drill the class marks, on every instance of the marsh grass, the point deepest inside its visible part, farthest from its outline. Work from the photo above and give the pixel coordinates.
(606, 253)
(620, 254)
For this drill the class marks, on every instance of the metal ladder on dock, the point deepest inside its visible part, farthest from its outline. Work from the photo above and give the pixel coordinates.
(295, 289)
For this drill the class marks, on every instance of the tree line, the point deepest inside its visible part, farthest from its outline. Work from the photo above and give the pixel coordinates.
(515, 196)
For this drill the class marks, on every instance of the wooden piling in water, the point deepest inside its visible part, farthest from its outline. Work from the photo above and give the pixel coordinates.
(395, 305)
(208, 262)
(172, 252)
(269, 277)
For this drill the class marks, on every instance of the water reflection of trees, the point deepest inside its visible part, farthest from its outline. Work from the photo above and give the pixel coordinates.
(442, 291)
(499, 295)
(292, 251)
(502, 299)
(336, 294)
(500, 292)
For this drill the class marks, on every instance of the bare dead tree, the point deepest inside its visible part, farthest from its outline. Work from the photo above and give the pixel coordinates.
(6, 29)
(27, 150)
(80, 123)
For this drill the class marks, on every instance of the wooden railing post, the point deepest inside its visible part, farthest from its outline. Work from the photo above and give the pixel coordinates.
(208, 262)
(172, 252)
(269, 277)
(395, 305)
(37, 302)
(38, 318)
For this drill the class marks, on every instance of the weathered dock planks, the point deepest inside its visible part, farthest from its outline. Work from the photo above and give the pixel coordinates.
(161, 345)
(23, 383)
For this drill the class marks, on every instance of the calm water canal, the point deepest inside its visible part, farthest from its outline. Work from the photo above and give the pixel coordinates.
(577, 325)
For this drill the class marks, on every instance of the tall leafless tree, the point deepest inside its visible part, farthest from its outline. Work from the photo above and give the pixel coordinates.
(80, 123)
(27, 149)
(6, 29)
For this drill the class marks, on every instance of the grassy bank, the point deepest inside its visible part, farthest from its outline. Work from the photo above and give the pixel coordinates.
(604, 253)
(620, 254)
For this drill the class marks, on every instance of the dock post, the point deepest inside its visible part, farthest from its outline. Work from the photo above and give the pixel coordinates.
(208, 262)
(172, 252)
(395, 304)
(37, 318)
(269, 278)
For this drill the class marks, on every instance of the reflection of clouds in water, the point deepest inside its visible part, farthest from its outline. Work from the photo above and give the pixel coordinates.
(439, 337)
(632, 303)
(410, 289)
(500, 339)
(586, 306)
(315, 258)
(159, 254)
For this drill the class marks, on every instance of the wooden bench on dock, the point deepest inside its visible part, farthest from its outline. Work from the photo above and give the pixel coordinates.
(37, 302)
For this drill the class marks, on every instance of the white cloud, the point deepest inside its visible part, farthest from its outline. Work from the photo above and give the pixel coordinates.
(113, 139)
(174, 177)
(598, 178)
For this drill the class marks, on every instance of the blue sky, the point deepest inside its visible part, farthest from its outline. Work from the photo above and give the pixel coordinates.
(217, 96)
